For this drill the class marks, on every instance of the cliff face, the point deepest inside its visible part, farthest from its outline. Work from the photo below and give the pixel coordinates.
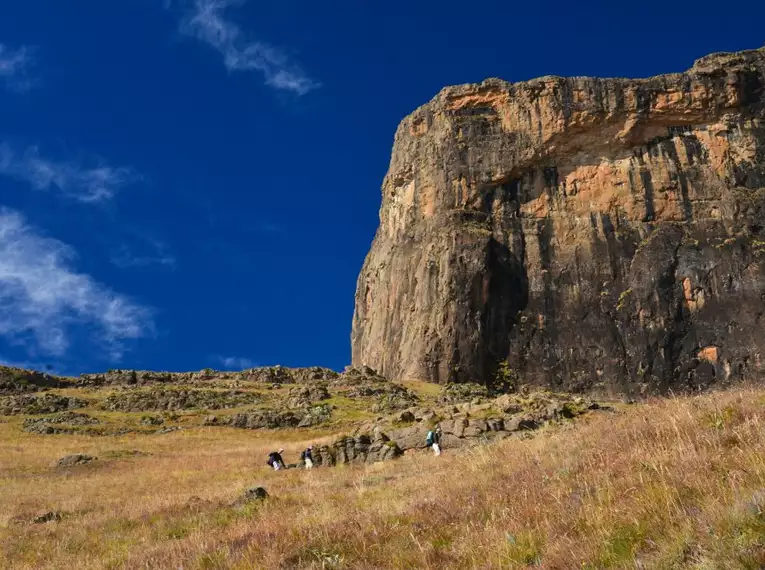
(599, 234)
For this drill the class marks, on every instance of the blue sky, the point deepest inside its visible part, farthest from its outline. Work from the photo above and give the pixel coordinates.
(195, 183)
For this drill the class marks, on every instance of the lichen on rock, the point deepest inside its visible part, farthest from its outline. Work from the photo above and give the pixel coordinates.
(515, 216)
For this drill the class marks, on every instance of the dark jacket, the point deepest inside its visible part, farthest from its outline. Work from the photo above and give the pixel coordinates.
(306, 455)
(434, 436)
(274, 457)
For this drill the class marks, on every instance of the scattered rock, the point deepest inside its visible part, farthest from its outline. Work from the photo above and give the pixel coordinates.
(33, 404)
(395, 398)
(467, 392)
(75, 459)
(315, 416)
(366, 374)
(18, 381)
(66, 422)
(266, 419)
(267, 375)
(269, 419)
(306, 395)
(169, 399)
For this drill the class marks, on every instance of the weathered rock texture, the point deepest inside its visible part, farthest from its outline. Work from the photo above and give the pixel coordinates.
(18, 381)
(43, 404)
(600, 234)
(267, 375)
(359, 449)
(172, 399)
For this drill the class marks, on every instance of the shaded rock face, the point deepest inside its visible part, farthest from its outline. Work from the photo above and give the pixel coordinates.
(599, 234)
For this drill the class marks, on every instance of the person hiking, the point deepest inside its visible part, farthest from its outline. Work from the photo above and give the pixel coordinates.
(434, 440)
(307, 457)
(275, 460)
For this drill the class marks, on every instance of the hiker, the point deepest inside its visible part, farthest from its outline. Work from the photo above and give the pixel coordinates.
(307, 457)
(434, 440)
(275, 460)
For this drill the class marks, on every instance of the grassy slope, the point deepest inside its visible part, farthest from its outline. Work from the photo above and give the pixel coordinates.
(672, 484)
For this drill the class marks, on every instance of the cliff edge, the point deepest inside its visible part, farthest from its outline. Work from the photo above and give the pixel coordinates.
(603, 235)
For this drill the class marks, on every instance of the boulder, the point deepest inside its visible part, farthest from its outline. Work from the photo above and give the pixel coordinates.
(255, 494)
(412, 437)
(50, 516)
(306, 395)
(315, 415)
(75, 459)
(521, 423)
(405, 417)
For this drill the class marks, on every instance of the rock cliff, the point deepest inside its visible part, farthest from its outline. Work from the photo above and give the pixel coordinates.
(601, 235)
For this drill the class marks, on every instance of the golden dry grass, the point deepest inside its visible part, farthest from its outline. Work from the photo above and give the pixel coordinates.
(674, 483)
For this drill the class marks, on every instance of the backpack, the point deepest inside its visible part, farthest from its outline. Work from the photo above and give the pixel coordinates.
(430, 439)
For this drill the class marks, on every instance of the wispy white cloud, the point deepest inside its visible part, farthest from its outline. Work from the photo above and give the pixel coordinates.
(43, 300)
(15, 68)
(236, 362)
(205, 21)
(73, 179)
(150, 252)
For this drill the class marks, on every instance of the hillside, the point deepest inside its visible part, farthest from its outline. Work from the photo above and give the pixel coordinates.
(673, 483)
(553, 255)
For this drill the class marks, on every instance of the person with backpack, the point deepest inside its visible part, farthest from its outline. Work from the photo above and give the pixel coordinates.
(275, 460)
(434, 440)
(307, 457)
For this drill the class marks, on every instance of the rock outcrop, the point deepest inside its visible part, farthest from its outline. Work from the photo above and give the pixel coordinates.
(467, 423)
(273, 419)
(75, 459)
(463, 425)
(42, 404)
(172, 399)
(265, 375)
(357, 449)
(67, 422)
(602, 235)
(18, 381)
